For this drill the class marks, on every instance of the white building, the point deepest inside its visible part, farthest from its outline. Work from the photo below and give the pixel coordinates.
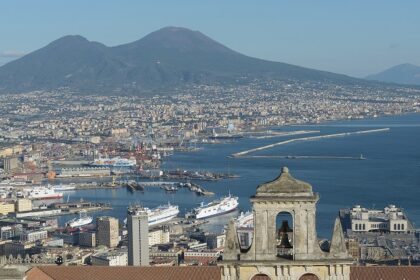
(113, 258)
(391, 219)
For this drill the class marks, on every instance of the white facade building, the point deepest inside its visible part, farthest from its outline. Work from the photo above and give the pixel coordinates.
(113, 258)
(391, 219)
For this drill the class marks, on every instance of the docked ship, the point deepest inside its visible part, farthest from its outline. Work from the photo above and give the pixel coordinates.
(162, 214)
(61, 187)
(42, 193)
(81, 221)
(217, 207)
(114, 162)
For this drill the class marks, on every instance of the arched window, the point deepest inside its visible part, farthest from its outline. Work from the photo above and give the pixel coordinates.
(402, 226)
(399, 226)
(284, 234)
(395, 226)
(364, 226)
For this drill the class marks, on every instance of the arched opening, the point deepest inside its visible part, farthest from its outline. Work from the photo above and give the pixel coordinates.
(261, 276)
(284, 235)
(309, 276)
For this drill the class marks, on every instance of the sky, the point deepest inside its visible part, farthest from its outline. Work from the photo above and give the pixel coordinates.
(357, 37)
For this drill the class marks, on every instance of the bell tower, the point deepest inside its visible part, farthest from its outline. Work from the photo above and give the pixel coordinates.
(290, 250)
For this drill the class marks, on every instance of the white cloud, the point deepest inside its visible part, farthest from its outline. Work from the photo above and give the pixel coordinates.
(11, 54)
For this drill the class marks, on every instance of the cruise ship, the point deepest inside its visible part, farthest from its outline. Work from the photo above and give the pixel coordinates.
(160, 214)
(216, 207)
(81, 221)
(42, 193)
(114, 162)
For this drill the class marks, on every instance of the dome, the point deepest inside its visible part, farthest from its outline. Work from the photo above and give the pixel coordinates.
(286, 184)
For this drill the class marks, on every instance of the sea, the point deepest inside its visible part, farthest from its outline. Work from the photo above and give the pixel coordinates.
(389, 174)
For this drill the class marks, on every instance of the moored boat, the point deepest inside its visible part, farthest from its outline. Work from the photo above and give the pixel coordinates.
(217, 207)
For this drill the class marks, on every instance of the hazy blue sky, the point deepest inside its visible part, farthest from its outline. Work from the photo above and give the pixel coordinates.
(356, 37)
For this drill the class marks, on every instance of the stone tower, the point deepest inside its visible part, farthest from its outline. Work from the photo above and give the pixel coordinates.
(305, 260)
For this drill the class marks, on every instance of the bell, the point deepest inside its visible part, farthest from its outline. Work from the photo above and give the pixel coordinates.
(283, 236)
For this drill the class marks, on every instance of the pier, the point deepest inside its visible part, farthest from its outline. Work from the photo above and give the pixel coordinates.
(173, 186)
(311, 138)
(361, 157)
(287, 133)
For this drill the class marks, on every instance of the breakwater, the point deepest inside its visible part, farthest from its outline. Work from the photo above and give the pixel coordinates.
(307, 157)
(311, 138)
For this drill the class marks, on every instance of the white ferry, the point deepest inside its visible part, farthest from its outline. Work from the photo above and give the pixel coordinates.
(66, 187)
(160, 214)
(114, 162)
(81, 221)
(217, 207)
(42, 193)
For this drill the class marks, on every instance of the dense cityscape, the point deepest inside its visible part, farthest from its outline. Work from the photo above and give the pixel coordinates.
(46, 136)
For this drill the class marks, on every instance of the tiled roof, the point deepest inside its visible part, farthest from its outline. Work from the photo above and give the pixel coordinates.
(123, 273)
(194, 272)
(385, 273)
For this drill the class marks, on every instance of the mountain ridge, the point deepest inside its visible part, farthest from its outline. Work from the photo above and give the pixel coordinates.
(406, 73)
(163, 59)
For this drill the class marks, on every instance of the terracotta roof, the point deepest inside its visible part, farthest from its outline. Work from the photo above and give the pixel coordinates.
(123, 273)
(385, 273)
(194, 272)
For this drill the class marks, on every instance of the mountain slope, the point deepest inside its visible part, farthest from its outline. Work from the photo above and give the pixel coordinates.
(408, 74)
(169, 57)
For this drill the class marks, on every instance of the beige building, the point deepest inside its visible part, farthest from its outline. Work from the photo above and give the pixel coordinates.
(107, 231)
(23, 205)
(11, 163)
(158, 237)
(6, 208)
(280, 250)
(5, 152)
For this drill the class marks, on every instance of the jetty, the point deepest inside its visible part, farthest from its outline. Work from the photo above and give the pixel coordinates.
(361, 157)
(311, 138)
(285, 133)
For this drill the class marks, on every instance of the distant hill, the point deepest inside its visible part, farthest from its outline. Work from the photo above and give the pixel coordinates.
(163, 59)
(407, 73)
